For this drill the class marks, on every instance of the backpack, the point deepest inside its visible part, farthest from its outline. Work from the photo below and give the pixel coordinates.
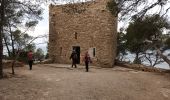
(74, 56)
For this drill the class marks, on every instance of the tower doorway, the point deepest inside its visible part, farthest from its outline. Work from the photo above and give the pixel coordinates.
(77, 49)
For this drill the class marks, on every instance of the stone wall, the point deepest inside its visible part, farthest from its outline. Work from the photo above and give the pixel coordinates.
(88, 25)
(141, 67)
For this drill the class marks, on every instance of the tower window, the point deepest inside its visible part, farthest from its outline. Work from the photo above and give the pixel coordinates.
(61, 50)
(94, 52)
(75, 35)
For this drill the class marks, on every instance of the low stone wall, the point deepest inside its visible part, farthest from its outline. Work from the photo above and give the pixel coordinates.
(47, 61)
(141, 67)
(8, 64)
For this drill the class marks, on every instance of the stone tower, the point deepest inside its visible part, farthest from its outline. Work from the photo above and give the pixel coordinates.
(87, 26)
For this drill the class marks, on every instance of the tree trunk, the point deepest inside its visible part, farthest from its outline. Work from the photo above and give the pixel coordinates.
(1, 32)
(14, 56)
(13, 63)
(5, 40)
(137, 60)
(12, 42)
(162, 56)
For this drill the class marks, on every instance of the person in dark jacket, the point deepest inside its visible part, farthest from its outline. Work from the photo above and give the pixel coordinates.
(30, 59)
(74, 58)
(87, 60)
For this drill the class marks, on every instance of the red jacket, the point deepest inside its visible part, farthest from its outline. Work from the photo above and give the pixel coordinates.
(30, 56)
(87, 58)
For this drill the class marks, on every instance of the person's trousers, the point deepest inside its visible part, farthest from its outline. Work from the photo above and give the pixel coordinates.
(30, 64)
(74, 63)
(87, 66)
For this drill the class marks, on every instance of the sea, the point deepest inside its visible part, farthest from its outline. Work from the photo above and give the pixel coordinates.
(130, 58)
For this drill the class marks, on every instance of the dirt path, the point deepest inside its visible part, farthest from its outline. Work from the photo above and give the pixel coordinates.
(60, 82)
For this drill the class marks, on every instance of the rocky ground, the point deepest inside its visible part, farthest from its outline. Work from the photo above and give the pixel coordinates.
(60, 82)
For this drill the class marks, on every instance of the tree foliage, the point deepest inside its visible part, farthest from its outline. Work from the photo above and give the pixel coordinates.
(167, 43)
(140, 30)
(147, 28)
(138, 8)
(121, 46)
(17, 15)
(39, 54)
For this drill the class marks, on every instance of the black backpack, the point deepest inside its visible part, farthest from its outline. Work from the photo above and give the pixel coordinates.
(74, 56)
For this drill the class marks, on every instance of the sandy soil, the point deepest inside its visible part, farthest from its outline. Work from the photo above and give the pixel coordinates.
(60, 82)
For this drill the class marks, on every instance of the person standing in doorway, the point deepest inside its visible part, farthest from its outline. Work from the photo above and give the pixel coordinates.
(74, 58)
(87, 60)
(30, 59)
